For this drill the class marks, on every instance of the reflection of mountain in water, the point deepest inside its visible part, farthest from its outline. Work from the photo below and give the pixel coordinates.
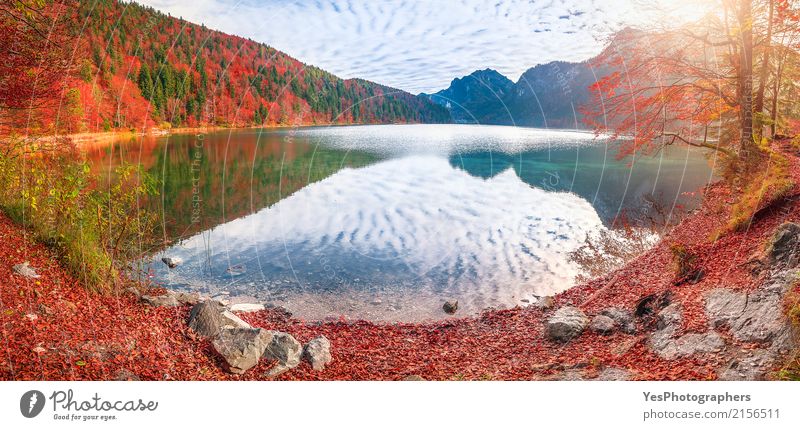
(613, 187)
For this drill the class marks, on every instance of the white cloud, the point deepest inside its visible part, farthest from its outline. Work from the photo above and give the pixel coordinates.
(418, 45)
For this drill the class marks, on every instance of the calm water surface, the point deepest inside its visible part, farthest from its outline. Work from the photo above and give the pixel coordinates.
(387, 222)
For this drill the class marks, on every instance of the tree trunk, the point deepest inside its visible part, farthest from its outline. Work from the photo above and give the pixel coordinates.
(776, 88)
(762, 81)
(745, 19)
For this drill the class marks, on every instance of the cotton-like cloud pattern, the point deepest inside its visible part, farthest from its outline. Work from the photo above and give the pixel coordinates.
(420, 45)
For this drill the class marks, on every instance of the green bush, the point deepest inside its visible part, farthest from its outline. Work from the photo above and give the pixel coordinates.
(97, 227)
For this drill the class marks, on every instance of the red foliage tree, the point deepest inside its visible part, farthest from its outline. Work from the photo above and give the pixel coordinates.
(36, 46)
(691, 84)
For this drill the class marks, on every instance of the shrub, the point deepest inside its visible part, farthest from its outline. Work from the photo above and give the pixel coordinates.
(96, 231)
(685, 262)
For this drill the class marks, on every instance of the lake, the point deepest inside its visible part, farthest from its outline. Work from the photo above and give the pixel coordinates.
(385, 223)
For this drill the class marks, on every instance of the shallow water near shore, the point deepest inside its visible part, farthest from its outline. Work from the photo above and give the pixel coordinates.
(385, 223)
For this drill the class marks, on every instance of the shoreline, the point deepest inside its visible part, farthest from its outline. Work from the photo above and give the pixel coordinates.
(97, 137)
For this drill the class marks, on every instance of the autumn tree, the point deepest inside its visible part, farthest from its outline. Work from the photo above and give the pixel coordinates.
(36, 43)
(691, 84)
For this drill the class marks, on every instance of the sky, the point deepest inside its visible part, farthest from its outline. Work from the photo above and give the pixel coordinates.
(422, 45)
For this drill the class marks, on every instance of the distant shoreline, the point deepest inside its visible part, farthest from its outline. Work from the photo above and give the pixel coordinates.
(86, 138)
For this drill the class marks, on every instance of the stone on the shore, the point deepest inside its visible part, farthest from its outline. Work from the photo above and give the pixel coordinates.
(622, 317)
(171, 299)
(25, 270)
(171, 262)
(284, 348)
(545, 302)
(167, 300)
(206, 318)
(566, 323)
(450, 307)
(602, 324)
(230, 320)
(318, 352)
(241, 347)
(784, 248)
(246, 307)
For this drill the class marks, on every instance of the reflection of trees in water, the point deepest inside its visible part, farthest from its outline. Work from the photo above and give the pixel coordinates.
(204, 183)
(642, 192)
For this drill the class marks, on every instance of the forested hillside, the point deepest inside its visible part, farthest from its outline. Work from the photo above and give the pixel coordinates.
(142, 68)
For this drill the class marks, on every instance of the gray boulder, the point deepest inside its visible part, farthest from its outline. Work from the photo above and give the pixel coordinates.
(622, 317)
(206, 318)
(318, 352)
(284, 348)
(602, 324)
(230, 320)
(748, 366)
(565, 324)
(171, 299)
(241, 347)
(670, 348)
(784, 248)
(165, 300)
(756, 317)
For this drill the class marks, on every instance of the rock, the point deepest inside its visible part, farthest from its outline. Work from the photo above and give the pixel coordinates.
(241, 347)
(757, 317)
(566, 323)
(622, 317)
(25, 270)
(670, 316)
(168, 300)
(186, 298)
(602, 324)
(614, 374)
(623, 347)
(748, 366)
(222, 299)
(172, 262)
(318, 352)
(284, 348)
(784, 248)
(723, 305)
(232, 321)
(413, 378)
(546, 302)
(686, 345)
(450, 307)
(246, 307)
(171, 299)
(206, 318)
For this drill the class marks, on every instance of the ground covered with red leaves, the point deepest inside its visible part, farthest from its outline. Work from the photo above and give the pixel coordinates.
(52, 328)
